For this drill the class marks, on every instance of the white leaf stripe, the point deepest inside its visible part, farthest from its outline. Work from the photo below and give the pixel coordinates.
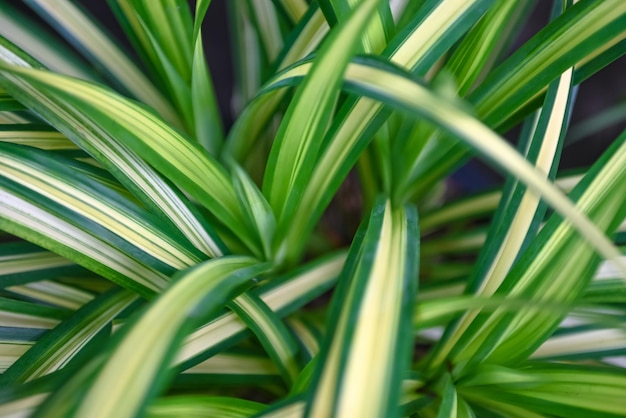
(56, 348)
(20, 320)
(296, 290)
(297, 142)
(403, 93)
(88, 201)
(53, 293)
(274, 335)
(81, 31)
(140, 354)
(425, 36)
(371, 307)
(384, 290)
(11, 117)
(586, 344)
(120, 161)
(35, 136)
(30, 261)
(10, 351)
(160, 144)
(547, 134)
(24, 406)
(21, 216)
(228, 363)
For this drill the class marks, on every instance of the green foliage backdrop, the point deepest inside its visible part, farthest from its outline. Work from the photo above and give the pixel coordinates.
(155, 263)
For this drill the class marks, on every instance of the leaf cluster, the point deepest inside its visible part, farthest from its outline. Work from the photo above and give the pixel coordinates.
(154, 262)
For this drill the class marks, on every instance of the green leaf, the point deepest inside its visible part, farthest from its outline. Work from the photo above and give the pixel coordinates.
(551, 389)
(399, 91)
(478, 205)
(271, 331)
(42, 44)
(448, 408)
(202, 406)
(594, 124)
(375, 36)
(57, 347)
(246, 54)
(256, 208)
(369, 321)
(85, 35)
(470, 62)
(295, 9)
(282, 295)
(22, 263)
(265, 18)
(309, 336)
(18, 314)
(581, 30)
(171, 45)
(257, 114)
(290, 408)
(37, 136)
(403, 93)
(138, 364)
(418, 48)
(50, 177)
(520, 213)
(115, 155)
(207, 121)
(171, 26)
(23, 215)
(562, 271)
(515, 88)
(8, 104)
(297, 142)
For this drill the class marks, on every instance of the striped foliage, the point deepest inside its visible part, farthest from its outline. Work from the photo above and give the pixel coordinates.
(157, 262)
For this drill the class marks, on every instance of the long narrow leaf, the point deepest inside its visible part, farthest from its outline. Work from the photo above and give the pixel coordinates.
(298, 140)
(127, 166)
(376, 293)
(139, 361)
(51, 177)
(55, 349)
(85, 35)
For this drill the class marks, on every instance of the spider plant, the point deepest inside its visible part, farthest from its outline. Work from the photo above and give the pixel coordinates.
(155, 262)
